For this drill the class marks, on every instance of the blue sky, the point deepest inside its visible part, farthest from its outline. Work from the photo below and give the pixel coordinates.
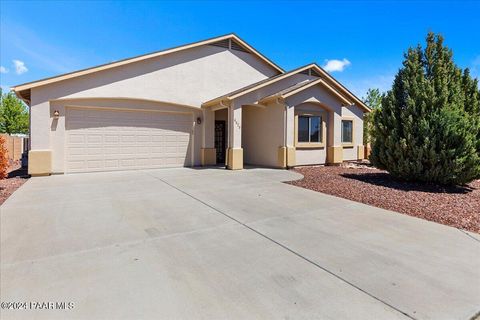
(361, 41)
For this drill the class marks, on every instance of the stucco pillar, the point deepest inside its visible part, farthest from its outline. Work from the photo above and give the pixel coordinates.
(286, 152)
(208, 151)
(334, 141)
(290, 136)
(40, 154)
(235, 151)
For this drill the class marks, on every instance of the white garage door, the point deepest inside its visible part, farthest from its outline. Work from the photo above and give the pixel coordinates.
(105, 140)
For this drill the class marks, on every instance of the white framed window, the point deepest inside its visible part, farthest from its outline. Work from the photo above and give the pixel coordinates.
(309, 129)
(347, 131)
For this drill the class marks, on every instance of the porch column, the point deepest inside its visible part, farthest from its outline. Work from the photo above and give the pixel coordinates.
(286, 153)
(208, 152)
(334, 142)
(235, 151)
(290, 141)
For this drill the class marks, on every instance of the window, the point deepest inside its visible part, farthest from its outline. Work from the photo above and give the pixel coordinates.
(309, 129)
(347, 131)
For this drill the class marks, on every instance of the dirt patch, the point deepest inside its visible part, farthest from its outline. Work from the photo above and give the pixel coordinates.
(454, 206)
(17, 176)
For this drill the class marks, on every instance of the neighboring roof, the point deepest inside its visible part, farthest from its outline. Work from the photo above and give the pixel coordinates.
(301, 86)
(232, 36)
(328, 80)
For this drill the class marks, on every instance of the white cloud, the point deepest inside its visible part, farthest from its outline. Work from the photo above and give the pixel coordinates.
(3, 69)
(45, 55)
(20, 66)
(336, 65)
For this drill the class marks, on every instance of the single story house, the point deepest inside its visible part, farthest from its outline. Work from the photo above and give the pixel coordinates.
(217, 101)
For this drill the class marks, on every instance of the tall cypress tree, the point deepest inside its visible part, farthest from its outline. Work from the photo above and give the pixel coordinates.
(428, 128)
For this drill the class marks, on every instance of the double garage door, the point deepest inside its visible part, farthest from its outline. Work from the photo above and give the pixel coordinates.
(110, 139)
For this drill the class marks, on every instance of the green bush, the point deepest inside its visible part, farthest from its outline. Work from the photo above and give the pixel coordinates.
(428, 127)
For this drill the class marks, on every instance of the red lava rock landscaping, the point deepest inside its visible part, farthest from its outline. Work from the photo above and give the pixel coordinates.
(17, 176)
(454, 206)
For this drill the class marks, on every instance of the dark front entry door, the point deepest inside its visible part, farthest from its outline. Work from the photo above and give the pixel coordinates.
(220, 141)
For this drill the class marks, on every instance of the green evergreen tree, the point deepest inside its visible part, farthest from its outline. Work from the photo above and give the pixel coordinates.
(374, 101)
(428, 128)
(14, 116)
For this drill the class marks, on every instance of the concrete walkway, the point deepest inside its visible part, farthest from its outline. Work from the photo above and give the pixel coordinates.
(218, 244)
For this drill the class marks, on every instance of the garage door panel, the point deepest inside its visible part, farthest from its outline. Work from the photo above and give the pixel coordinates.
(94, 164)
(100, 140)
(111, 163)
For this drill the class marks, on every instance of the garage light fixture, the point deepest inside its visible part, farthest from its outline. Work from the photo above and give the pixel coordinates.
(56, 114)
(199, 120)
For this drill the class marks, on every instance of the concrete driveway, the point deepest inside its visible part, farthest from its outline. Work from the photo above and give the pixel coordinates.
(218, 244)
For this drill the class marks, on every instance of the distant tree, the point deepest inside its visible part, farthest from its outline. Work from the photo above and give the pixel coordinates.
(374, 101)
(13, 114)
(428, 128)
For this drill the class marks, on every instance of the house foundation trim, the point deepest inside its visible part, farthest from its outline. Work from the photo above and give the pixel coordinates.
(360, 152)
(335, 155)
(282, 157)
(39, 162)
(291, 162)
(208, 156)
(235, 158)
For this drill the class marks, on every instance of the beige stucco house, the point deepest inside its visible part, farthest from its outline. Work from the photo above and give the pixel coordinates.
(217, 101)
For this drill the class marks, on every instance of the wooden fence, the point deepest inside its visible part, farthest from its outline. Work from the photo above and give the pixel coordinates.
(15, 146)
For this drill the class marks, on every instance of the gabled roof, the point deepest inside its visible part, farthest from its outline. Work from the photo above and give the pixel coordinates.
(325, 78)
(301, 86)
(287, 91)
(235, 42)
(254, 86)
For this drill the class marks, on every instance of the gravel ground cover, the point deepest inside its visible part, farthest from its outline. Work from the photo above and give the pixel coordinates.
(16, 177)
(454, 206)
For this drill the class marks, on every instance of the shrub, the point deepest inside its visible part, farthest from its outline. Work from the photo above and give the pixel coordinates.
(428, 128)
(3, 159)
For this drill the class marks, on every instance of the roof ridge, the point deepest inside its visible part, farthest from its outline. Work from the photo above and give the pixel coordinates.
(112, 64)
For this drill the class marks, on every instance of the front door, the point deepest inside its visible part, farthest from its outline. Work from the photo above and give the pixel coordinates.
(220, 141)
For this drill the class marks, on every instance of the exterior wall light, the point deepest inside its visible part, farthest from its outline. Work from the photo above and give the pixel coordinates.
(56, 114)
(199, 120)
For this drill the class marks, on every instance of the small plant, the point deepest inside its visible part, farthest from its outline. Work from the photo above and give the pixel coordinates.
(3, 159)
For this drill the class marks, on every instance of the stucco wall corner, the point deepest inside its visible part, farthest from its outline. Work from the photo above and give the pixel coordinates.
(291, 157)
(360, 152)
(39, 162)
(208, 156)
(282, 157)
(335, 155)
(235, 159)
